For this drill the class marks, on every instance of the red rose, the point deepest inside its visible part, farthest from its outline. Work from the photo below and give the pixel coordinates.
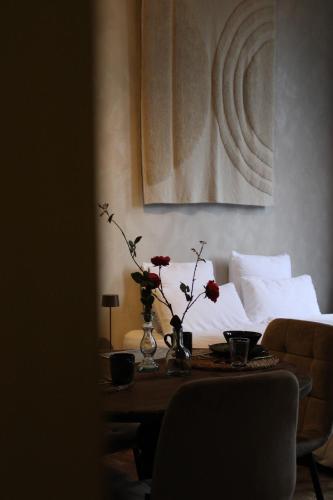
(154, 279)
(212, 290)
(160, 261)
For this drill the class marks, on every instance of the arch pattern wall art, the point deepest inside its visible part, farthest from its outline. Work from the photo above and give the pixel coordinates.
(207, 101)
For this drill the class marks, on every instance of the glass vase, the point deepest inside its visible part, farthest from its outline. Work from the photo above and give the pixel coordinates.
(148, 346)
(178, 358)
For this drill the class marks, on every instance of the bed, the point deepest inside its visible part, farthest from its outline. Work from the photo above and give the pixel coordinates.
(202, 340)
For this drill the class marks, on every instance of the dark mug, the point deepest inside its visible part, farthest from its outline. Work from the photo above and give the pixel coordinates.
(122, 368)
(187, 340)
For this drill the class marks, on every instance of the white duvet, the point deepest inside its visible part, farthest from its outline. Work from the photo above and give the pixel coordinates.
(205, 338)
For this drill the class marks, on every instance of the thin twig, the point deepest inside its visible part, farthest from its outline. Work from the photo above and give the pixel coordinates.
(167, 303)
(190, 304)
(105, 211)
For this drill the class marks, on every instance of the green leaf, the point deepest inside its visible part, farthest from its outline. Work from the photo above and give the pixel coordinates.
(147, 299)
(149, 284)
(137, 277)
(137, 239)
(183, 287)
(131, 246)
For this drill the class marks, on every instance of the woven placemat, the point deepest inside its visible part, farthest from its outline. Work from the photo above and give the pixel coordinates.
(208, 362)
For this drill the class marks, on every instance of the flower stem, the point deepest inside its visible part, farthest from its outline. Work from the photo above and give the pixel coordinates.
(190, 304)
(167, 303)
(111, 220)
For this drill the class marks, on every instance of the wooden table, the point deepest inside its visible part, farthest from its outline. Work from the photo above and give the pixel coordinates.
(151, 393)
(146, 400)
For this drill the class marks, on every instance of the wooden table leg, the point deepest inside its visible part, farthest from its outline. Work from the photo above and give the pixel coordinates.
(148, 433)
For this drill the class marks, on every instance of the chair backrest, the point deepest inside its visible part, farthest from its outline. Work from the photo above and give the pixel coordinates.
(230, 438)
(309, 346)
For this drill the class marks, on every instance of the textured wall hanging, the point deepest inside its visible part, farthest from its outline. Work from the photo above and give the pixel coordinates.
(207, 101)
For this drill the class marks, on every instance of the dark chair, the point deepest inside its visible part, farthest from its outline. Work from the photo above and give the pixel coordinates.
(115, 484)
(232, 438)
(118, 436)
(309, 346)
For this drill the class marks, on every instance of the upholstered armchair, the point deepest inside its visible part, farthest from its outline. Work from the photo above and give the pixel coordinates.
(309, 346)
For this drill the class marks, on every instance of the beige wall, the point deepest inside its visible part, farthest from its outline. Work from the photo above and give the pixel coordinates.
(298, 223)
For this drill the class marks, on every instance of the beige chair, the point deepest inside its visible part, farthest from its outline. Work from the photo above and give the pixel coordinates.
(309, 346)
(232, 438)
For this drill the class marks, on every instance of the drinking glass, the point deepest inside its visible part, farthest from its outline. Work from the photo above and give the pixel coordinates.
(122, 368)
(239, 350)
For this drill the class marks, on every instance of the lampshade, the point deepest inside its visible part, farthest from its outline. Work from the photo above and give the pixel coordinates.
(110, 300)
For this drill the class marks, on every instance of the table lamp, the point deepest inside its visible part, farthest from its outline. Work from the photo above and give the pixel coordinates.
(110, 301)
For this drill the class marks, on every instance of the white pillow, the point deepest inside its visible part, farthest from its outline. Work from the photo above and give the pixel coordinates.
(268, 267)
(177, 272)
(288, 298)
(204, 315)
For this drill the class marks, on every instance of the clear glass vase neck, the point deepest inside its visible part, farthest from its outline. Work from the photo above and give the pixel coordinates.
(178, 358)
(148, 318)
(178, 337)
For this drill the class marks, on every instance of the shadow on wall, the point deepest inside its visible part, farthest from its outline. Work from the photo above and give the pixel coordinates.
(193, 208)
(221, 270)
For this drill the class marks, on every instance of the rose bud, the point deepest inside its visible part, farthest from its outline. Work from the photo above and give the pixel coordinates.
(160, 261)
(212, 290)
(154, 280)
